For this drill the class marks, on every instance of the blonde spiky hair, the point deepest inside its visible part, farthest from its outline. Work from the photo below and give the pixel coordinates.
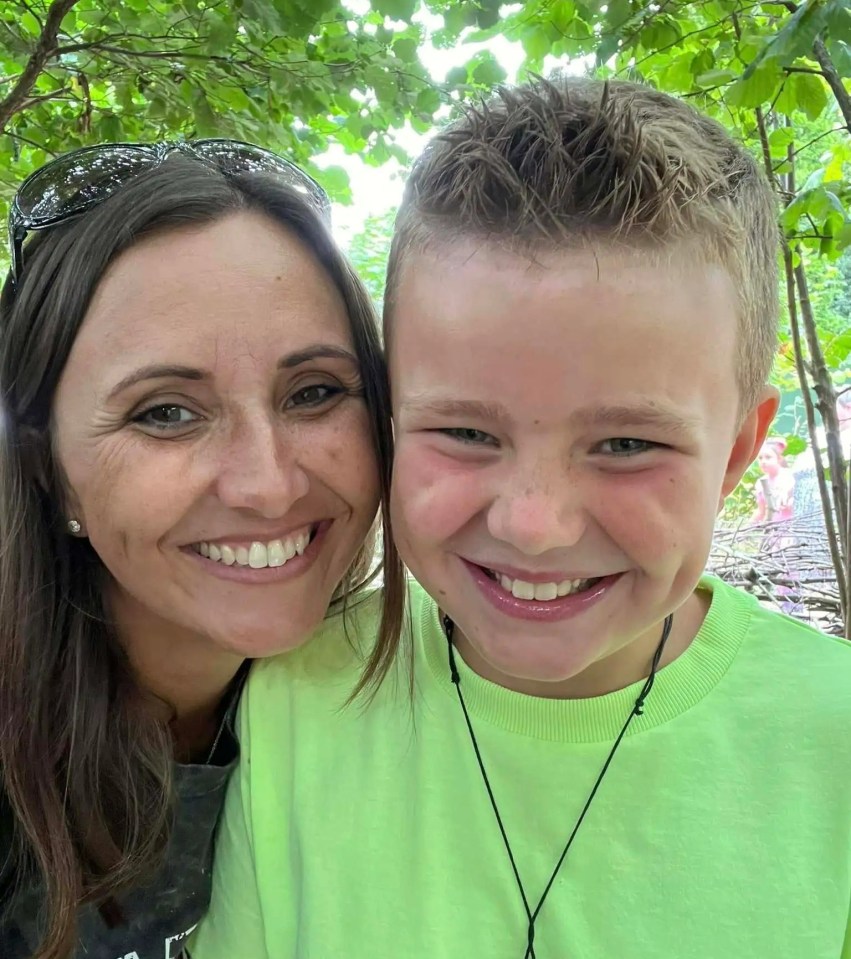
(570, 161)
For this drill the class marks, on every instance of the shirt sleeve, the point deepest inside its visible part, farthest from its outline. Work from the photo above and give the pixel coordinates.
(234, 925)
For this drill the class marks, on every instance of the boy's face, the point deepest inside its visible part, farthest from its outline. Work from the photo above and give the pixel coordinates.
(566, 427)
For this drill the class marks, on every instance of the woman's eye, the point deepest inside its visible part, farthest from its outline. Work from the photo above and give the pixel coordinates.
(625, 446)
(313, 395)
(470, 436)
(167, 416)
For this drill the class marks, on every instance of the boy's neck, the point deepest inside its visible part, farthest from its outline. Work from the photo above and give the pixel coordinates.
(626, 666)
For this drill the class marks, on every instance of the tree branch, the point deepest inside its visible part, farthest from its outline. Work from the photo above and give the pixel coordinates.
(834, 81)
(45, 48)
(32, 143)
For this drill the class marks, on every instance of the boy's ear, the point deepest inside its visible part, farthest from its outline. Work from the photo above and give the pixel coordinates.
(750, 437)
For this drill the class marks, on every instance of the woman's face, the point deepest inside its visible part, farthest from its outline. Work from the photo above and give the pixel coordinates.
(213, 435)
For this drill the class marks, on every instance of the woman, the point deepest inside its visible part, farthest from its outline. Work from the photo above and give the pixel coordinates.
(775, 489)
(194, 407)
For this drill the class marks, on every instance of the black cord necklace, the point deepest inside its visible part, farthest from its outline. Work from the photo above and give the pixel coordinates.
(637, 710)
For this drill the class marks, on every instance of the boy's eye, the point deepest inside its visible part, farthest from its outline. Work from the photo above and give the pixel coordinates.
(166, 416)
(625, 446)
(466, 435)
(314, 395)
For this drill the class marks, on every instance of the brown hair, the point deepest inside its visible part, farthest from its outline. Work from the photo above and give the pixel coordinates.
(84, 765)
(573, 161)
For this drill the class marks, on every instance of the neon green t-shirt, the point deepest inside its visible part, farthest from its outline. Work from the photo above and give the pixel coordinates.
(722, 830)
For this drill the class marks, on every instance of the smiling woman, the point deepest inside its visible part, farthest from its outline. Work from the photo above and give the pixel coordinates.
(196, 443)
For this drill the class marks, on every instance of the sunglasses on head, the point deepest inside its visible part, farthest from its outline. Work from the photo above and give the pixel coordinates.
(78, 181)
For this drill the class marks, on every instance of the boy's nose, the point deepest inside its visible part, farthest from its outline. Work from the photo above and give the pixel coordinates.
(534, 517)
(260, 471)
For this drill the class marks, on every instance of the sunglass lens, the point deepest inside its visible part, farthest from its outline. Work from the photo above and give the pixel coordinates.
(76, 181)
(234, 157)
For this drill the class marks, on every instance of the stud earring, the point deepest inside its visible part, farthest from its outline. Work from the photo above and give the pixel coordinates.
(74, 527)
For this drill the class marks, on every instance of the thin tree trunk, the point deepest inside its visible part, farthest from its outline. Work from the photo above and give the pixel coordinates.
(823, 385)
(809, 408)
(796, 287)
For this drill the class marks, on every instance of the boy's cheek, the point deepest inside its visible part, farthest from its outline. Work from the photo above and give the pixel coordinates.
(432, 499)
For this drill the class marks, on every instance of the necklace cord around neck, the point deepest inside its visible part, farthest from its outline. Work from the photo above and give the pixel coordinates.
(637, 710)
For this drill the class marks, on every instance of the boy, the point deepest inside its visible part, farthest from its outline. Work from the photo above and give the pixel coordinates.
(605, 755)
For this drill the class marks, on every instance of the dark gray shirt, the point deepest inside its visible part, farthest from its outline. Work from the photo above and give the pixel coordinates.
(156, 918)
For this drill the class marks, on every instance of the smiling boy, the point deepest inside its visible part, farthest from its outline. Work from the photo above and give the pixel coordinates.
(606, 755)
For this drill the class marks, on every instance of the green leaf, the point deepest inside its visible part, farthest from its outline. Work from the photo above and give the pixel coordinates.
(336, 182)
(779, 141)
(488, 72)
(396, 9)
(607, 49)
(838, 350)
(840, 52)
(811, 94)
(487, 14)
(428, 100)
(716, 78)
(794, 39)
(406, 49)
(457, 77)
(537, 44)
(838, 21)
(757, 89)
(110, 129)
(563, 13)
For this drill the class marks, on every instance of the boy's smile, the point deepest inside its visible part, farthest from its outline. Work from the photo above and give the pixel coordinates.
(566, 429)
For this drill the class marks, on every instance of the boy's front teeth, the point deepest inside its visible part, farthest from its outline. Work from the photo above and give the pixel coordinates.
(540, 591)
(276, 552)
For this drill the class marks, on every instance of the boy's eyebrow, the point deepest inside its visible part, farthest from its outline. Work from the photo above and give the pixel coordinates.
(643, 414)
(464, 409)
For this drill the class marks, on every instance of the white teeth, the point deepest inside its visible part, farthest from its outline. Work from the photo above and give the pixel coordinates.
(277, 555)
(259, 555)
(523, 590)
(542, 592)
(546, 591)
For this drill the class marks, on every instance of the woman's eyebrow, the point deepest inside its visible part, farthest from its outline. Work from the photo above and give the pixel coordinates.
(157, 371)
(315, 352)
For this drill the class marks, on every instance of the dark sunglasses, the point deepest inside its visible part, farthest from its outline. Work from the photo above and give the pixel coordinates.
(74, 183)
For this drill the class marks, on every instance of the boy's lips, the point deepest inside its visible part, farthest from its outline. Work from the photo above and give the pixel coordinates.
(550, 605)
